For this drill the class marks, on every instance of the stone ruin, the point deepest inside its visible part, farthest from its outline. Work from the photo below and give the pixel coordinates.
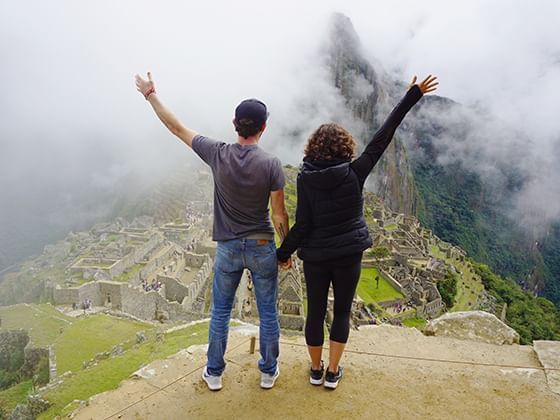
(184, 278)
(290, 299)
(132, 268)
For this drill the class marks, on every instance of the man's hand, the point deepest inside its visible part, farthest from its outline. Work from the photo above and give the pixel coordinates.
(145, 87)
(285, 265)
(429, 84)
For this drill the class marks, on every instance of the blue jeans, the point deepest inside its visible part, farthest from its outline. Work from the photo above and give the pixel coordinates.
(231, 258)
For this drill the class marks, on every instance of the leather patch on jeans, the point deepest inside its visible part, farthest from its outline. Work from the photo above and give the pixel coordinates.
(262, 241)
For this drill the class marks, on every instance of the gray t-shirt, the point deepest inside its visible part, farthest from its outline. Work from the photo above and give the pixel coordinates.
(244, 176)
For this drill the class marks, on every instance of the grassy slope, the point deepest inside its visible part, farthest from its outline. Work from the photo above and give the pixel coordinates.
(43, 322)
(74, 340)
(11, 397)
(418, 323)
(110, 372)
(469, 287)
(88, 336)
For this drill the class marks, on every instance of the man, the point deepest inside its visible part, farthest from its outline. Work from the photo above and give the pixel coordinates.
(245, 179)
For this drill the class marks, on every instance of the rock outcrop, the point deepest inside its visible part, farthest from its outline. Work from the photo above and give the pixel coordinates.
(473, 325)
(548, 353)
(372, 386)
(12, 345)
(369, 95)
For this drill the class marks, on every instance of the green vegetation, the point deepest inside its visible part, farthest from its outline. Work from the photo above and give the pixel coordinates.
(457, 207)
(74, 340)
(11, 397)
(448, 289)
(290, 196)
(391, 226)
(469, 285)
(368, 290)
(551, 259)
(131, 272)
(95, 263)
(11, 359)
(88, 336)
(378, 252)
(43, 323)
(418, 323)
(533, 318)
(453, 203)
(108, 373)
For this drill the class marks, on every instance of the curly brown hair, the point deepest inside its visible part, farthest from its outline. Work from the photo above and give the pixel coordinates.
(330, 141)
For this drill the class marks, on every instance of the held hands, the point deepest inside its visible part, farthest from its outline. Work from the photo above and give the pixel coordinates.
(145, 87)
(429, 84)
(285, 265)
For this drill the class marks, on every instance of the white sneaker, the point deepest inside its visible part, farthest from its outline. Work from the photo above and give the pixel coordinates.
(268, 380)
(214, 382)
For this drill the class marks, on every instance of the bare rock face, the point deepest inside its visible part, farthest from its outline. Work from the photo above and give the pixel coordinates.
(369, 95)
(473, 325)
(548, 353)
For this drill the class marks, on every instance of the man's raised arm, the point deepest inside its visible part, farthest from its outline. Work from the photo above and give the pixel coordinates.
(147, 88)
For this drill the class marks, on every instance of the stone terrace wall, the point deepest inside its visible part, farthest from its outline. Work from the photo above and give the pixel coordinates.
(392, 280)
(90, 291)
(144, 305)
(174, 291)
(65, 296)
(112, 289)
(155, 263)
(70, 295)
(197, 260)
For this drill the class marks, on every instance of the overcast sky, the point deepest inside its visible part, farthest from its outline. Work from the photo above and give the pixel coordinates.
(71, 118)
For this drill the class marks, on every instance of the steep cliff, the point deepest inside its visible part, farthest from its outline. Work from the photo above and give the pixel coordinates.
(370, 95)
(447, 165)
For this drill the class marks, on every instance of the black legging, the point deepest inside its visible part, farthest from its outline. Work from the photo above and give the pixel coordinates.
(344, 274)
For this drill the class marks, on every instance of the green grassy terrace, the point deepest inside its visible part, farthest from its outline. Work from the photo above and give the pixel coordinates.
(86, 337)
(469, 285)
(12, 396)
(108, 373)
(43, 323)
(368, 291)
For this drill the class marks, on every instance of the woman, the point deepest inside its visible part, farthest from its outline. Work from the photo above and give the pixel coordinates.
(330, 232)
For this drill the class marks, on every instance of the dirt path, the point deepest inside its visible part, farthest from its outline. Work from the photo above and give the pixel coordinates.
(373, 386)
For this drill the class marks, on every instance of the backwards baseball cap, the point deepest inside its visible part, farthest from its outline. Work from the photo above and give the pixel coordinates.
(251, 110)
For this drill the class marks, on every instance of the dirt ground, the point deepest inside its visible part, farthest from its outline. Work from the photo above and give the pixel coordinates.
(374, 387)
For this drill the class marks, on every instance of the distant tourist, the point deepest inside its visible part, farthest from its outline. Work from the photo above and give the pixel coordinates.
(330, 231)
(246, 179)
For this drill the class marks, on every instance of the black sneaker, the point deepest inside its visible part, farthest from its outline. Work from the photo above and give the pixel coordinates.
(331, 379)
(316, 376)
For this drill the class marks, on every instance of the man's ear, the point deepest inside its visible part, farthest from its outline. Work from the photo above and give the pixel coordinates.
(233, 121)
(263, 127)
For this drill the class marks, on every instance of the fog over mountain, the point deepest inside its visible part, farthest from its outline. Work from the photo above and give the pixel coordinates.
(75, 133)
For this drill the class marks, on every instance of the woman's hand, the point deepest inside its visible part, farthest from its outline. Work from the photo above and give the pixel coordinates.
(285, 265)
(429, 84)
(145, 87)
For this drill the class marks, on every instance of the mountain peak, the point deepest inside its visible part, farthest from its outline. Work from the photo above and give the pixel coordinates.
(342, 34)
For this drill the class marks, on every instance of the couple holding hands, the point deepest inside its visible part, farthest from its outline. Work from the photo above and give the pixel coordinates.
(329, 233)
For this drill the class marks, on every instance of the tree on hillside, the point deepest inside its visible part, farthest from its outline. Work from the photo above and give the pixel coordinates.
(379, 252)
(533, 318)
(448, 289)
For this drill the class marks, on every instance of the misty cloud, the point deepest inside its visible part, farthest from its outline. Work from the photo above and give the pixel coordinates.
(73, 128)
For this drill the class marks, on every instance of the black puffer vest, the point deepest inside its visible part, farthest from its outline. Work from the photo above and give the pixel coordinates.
(338, 227)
